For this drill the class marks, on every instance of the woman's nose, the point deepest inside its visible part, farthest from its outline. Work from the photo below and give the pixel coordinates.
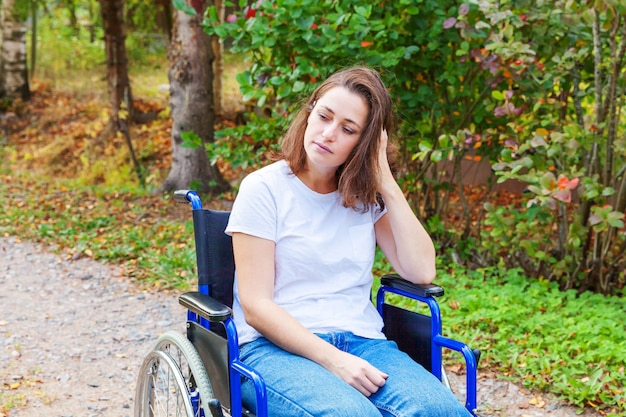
(329, 131)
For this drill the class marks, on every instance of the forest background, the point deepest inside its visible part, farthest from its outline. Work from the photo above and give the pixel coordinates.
(512, 148)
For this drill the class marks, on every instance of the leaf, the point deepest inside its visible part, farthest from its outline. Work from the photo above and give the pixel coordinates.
(548, 181)
(498, 95)
(595, 219)
(538, 141)
(449, 23)
(191, 140)
(615, 219)
(183, 6)
(298, 86)
(563, 195)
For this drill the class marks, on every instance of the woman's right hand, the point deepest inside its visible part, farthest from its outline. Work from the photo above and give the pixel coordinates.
(357, 372)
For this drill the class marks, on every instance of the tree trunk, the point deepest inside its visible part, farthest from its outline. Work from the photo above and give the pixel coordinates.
(120, 95)
(71, 8)
(192, 106)
(116, 60)
(92, 21)
(218, 63)
(165, 17)
(13, 68)
(34, 5)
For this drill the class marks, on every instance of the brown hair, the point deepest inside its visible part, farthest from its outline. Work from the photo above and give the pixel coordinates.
(356, 178)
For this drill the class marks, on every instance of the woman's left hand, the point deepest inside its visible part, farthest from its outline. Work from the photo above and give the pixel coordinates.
(384, 170)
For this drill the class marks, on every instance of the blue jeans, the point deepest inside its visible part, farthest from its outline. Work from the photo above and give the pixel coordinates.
(297, 386)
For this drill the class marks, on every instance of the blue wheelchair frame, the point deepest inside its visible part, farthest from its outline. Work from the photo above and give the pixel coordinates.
(206, 312)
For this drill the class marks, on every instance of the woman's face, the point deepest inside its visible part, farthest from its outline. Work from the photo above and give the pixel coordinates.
(334, 127)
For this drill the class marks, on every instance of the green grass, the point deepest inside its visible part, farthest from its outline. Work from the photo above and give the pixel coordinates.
(126, 227)
(570, 344)
(10, 400)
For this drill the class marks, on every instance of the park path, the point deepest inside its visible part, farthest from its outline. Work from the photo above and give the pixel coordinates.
(73, 334)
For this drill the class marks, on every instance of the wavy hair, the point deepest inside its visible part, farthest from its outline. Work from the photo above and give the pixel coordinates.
(356, 177)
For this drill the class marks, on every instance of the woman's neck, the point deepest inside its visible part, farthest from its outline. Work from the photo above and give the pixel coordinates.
(322, 183)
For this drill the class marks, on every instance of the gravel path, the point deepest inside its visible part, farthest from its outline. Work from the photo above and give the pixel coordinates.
(73, 335)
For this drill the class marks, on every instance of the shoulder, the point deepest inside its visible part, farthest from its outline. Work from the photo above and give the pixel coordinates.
(277, 171)
(267, 183)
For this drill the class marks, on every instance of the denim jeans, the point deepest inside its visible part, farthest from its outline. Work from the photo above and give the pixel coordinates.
(297, 386)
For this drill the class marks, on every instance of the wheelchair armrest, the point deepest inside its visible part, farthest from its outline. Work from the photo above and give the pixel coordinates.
(422, 290)
(205, 306)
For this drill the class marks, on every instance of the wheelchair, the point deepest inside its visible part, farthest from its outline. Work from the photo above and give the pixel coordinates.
(199, 374)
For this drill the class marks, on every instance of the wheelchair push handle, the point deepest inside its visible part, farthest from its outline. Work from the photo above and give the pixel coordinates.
(188, 196)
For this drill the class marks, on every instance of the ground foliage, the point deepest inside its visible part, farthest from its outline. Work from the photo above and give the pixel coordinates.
(529, 331)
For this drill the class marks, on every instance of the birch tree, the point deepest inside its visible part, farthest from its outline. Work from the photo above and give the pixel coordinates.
(13, 68)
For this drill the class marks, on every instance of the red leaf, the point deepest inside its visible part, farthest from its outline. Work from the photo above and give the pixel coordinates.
(563, 195)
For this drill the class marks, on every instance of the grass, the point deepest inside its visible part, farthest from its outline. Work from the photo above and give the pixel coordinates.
(570, 344)
(530, 332)
(126, 227)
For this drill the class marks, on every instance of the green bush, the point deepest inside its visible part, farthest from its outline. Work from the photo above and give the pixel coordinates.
(441, 82)
(563, 342)
(470, 80)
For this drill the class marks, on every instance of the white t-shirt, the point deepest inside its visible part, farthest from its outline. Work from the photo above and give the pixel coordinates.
(324, 253)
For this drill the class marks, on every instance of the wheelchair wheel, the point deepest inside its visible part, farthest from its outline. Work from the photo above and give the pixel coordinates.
(173, 381)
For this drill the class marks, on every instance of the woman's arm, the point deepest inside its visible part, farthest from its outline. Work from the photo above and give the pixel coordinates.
(254, 259)
(399, 233)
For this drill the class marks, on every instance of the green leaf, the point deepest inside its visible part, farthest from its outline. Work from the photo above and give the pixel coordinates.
(498, 95)
(298, 86)
(284, 91)
(191, 140)
(183, 6)
(413, 10)
(364, 11)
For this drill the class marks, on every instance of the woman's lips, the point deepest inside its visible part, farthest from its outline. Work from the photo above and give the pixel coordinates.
(324, 148)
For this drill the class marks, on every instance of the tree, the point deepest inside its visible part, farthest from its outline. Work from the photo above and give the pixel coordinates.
(13, 68)
(218, 62)
(191, 99)
(120, 94)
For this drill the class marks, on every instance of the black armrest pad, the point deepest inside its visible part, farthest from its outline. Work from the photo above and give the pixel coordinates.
(422, 290)
(205, 306)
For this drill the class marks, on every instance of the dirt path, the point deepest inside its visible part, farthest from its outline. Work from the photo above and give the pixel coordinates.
(74, 333)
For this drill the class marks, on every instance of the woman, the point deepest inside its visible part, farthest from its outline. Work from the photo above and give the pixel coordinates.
(304, 233)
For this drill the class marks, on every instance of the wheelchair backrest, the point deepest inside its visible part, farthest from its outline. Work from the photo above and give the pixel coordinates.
(214, 255)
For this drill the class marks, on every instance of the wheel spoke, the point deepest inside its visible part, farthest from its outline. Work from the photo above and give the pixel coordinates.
(171, 374)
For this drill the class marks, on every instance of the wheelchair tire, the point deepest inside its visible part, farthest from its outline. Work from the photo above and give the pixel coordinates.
(173, 380)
